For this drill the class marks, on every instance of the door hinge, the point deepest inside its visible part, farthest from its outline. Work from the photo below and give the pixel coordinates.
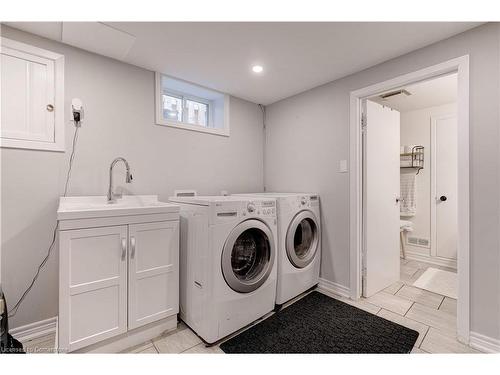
(363, 121)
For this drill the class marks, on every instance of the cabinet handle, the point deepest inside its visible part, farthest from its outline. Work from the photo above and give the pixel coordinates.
(132, 246)
(124, 248)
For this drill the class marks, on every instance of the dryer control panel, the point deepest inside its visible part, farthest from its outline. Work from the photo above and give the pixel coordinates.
(307, 201)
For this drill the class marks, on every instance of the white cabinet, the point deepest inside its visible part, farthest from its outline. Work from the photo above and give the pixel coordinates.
(93, 285)
(32, 97)
(116, 279)
(153, 287)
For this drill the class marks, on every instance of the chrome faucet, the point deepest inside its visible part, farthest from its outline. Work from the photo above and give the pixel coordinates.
(128, 179)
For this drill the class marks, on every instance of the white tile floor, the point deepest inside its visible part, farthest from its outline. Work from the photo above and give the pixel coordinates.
(430, 314)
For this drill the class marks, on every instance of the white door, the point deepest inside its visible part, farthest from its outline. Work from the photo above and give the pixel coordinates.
(153, 272)
(93, 285)
(381, 190)
(445, 186)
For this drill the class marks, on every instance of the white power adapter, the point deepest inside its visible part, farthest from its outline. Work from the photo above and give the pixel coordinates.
(77, 111)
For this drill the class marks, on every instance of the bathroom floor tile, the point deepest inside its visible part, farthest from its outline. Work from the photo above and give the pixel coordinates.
(403, 261)
(418, 264)
(409, 280)
(421, 296)
(401, 320)
(408, 270)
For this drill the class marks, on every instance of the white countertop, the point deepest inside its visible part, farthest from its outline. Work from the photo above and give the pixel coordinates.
(97, 206)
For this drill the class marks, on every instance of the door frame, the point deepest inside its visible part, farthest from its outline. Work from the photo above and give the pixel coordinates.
(459, 65)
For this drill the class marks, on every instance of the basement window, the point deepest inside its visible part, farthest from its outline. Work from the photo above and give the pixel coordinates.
(184, 105)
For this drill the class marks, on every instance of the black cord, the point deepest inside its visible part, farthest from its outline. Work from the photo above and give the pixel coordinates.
(14, 309)
(75, 139)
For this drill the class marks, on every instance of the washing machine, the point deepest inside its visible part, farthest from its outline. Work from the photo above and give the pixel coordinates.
(299, 242)
(228, 267)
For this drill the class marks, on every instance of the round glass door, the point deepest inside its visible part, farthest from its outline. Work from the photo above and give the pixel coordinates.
(302, 239)
(248, 256)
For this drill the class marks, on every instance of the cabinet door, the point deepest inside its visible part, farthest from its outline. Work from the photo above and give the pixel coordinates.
(153, 272)
(93, 285)
(27, 91)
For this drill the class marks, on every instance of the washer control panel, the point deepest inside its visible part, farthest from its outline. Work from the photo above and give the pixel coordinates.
(263, 207)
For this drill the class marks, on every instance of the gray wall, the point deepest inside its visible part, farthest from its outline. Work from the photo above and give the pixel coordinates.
(119, 121)
(308, 134)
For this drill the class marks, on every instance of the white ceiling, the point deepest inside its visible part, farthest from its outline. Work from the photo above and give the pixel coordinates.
(295, 56)
(434, 92)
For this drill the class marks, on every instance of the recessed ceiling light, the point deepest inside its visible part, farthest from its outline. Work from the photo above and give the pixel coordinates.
(257, 69)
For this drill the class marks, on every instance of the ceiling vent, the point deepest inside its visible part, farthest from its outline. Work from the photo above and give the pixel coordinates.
(395, 93)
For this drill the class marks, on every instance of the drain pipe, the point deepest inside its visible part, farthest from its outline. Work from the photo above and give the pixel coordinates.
(264, 147)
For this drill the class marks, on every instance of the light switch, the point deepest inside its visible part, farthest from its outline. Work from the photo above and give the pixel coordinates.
(343, 166)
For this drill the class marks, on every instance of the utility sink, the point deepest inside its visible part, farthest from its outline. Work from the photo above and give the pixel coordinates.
(98, 206)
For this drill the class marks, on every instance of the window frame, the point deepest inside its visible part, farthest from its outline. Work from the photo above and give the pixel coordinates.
(210, 129)
(58, 144)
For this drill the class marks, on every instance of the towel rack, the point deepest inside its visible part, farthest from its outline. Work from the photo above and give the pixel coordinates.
(413, 159)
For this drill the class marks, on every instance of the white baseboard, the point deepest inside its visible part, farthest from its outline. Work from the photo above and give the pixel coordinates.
(484, 343)
(35, 330)
(334, 288)
(450, 263)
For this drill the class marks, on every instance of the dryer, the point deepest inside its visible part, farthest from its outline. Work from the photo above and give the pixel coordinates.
(299, 242)
(227, 262)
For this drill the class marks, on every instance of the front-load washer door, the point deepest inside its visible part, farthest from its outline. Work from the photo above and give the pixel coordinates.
(248, 256)
(302, 239)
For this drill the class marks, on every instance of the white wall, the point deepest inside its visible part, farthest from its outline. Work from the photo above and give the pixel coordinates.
(308, 134)
(416, 130)
(119, 121)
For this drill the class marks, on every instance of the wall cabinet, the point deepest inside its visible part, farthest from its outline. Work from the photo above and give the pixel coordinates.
(114, 279)
(32, 92)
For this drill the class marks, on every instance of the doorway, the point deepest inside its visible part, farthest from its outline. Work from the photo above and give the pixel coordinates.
(370, 207)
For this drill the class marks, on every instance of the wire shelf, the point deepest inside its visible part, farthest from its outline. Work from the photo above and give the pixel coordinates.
(413, 159)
